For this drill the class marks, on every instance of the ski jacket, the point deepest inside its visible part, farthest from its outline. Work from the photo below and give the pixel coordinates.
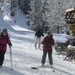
(48, 42)
(39, 33)
(4, 40)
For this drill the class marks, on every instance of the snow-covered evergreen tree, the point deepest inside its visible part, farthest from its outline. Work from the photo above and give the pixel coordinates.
(1, 3)
(36, 12)
(57, 15)
(45, 11)
(24, 5)
(39, 13)
(13, 6)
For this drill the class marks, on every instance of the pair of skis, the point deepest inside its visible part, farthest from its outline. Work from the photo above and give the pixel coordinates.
(46, 66)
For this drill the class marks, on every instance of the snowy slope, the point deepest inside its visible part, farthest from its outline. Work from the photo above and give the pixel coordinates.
(25, 56)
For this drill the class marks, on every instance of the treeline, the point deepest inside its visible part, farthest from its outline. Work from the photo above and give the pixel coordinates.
(24, 5)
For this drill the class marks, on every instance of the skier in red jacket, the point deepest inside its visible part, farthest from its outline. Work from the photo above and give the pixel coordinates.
(47, 42)
(4, 40)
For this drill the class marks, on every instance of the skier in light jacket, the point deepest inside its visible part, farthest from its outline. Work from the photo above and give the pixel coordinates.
(38, 35)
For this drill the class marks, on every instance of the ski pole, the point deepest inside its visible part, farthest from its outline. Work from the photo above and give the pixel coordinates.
(32, 42)
(11, 62)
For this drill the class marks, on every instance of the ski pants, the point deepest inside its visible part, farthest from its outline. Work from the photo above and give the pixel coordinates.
(2, 53)
(49, 56)
(37, 41)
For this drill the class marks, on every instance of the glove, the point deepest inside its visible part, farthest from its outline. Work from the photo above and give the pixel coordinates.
(42, 35)
(10, 44)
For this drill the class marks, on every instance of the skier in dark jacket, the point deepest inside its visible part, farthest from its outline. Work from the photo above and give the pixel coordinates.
(4, 40)
(47, 42)
(38, 35)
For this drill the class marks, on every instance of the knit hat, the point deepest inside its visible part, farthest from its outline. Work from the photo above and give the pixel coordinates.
(48, 32)
(4, 30)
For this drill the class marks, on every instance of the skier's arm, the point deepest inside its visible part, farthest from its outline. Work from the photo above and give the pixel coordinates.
(52, 42)
(9, 42)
